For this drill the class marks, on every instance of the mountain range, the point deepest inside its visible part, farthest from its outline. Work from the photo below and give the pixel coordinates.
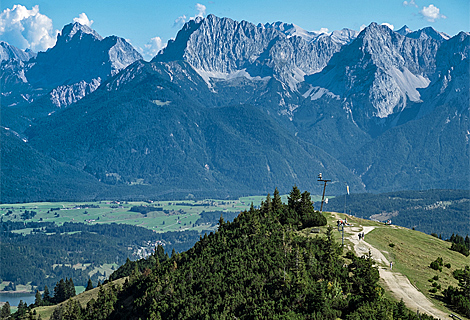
(230, 108)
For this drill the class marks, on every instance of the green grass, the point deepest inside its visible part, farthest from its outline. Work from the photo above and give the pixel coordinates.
(413, 252)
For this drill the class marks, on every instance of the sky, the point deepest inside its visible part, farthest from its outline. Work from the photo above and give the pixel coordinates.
(149, 24)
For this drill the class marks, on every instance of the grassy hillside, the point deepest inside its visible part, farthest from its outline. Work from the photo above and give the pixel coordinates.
(412, 253)
(443, 212)
(82, 298)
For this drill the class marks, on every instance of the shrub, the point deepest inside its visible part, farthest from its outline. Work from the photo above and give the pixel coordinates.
(437, 264)
(314, 219)
(434, 284)
(433, 290)
(436, 277)
(350, 255)
(391, 245)
(447, 265)
(460, 247)
(434, 265)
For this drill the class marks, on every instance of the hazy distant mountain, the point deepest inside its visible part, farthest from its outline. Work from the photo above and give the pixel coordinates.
(80, 54)
(8, 52)
(344, 36)
(80, 60)
(432, 149)
(228, 104)
(379, 74)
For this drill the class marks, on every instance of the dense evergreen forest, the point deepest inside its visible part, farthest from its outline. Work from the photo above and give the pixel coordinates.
(257, 267)
(47, 254)
(443, 212)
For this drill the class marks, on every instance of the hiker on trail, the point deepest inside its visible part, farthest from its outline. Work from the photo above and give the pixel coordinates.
(362, 236)
(391, 265)
(359, 235)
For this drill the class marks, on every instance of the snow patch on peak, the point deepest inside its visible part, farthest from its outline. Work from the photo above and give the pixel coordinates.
(393, 88)
(344, 36)
(408, 82)
(207, 76)
(404, 30)
(316, 93)
(291, 30)
(426, 33)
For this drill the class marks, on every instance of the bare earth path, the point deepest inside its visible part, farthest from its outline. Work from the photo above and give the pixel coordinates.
(397, 283)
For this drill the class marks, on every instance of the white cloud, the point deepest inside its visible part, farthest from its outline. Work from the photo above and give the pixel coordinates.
(152, 47)
(83, 19)
(388, 25)
(431, 13)
(25, 28)
(323, 30)
(201, 10)
(180, 21)
(410, 3)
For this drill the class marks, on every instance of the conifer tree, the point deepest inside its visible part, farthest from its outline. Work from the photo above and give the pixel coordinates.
(277, 201)
(5, 311)
(38, 299)
(46, 297)
(221, 223)
(160, 253)
(294, 198)
(69, 289)
(266, 206)
(89, 285)
(22, 308)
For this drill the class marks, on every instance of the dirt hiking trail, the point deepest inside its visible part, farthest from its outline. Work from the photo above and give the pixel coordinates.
(397, 283)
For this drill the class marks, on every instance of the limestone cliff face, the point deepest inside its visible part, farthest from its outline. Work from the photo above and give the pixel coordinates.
(222, 46)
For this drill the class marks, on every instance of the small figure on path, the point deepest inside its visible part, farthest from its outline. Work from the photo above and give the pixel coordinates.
(359, 235)
(391, 265)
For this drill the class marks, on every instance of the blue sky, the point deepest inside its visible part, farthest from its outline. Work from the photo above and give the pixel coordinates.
(149, 24)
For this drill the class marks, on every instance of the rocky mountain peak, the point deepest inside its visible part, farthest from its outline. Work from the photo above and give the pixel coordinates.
(344, 36)
(81, 54)
(77, 31)
(219, 47)
(404, 30)
(375, 31)
(8, 52)
(291, 30)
